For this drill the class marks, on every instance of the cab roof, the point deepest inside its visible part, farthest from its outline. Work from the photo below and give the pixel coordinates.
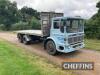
(76, 17)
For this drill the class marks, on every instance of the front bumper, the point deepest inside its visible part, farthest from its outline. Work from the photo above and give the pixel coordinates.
(70, 48)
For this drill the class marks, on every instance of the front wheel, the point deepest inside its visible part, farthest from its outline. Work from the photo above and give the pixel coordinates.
(51, 48)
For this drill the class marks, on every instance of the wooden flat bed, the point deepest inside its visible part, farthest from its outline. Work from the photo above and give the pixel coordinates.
(31, 32)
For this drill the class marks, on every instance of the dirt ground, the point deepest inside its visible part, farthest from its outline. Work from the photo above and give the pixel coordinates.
(77, 56)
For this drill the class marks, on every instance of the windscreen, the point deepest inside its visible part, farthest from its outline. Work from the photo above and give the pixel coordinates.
(74, 25)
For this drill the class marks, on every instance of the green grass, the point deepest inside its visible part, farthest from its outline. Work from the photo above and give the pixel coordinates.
(17, 61)
(92, 44)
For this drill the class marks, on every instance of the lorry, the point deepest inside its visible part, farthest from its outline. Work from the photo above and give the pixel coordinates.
(58, 33)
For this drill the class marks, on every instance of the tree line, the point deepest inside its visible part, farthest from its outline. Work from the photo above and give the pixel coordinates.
(12, 18)
(92, 26)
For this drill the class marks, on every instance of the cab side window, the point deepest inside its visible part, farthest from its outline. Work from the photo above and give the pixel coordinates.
(56, 25)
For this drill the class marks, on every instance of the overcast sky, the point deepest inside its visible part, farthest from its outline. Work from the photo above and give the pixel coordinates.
(84, 8)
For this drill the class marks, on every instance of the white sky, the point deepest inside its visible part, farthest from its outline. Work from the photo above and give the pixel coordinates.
(84, 8)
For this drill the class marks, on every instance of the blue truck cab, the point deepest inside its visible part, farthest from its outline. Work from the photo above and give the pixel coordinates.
(66, 35)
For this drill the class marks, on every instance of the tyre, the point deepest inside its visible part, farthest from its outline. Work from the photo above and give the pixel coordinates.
(20, 38)
(25, 40)
(51, 48)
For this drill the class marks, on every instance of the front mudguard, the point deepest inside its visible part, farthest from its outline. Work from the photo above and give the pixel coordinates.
(66, 49)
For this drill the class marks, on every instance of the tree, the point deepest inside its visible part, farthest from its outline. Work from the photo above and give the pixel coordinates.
(98, 5)
(35, 23)
(28, 13)
(8, 13)
(93, 25)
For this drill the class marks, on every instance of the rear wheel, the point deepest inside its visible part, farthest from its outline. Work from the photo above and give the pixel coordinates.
(25, 41)
(20, 38)
(51, 48)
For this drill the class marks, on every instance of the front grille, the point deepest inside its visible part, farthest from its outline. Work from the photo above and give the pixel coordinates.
(74, 40)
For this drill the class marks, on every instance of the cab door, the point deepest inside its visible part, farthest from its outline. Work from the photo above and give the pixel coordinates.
(55, 27)
(57, 30)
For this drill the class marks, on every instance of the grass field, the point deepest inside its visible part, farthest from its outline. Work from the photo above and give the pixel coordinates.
(16, 61)
(92, 44)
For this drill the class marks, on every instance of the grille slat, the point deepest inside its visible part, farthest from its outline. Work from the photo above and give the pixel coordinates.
(74, 40)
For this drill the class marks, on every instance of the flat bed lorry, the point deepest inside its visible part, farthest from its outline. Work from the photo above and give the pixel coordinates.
(58, 33)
